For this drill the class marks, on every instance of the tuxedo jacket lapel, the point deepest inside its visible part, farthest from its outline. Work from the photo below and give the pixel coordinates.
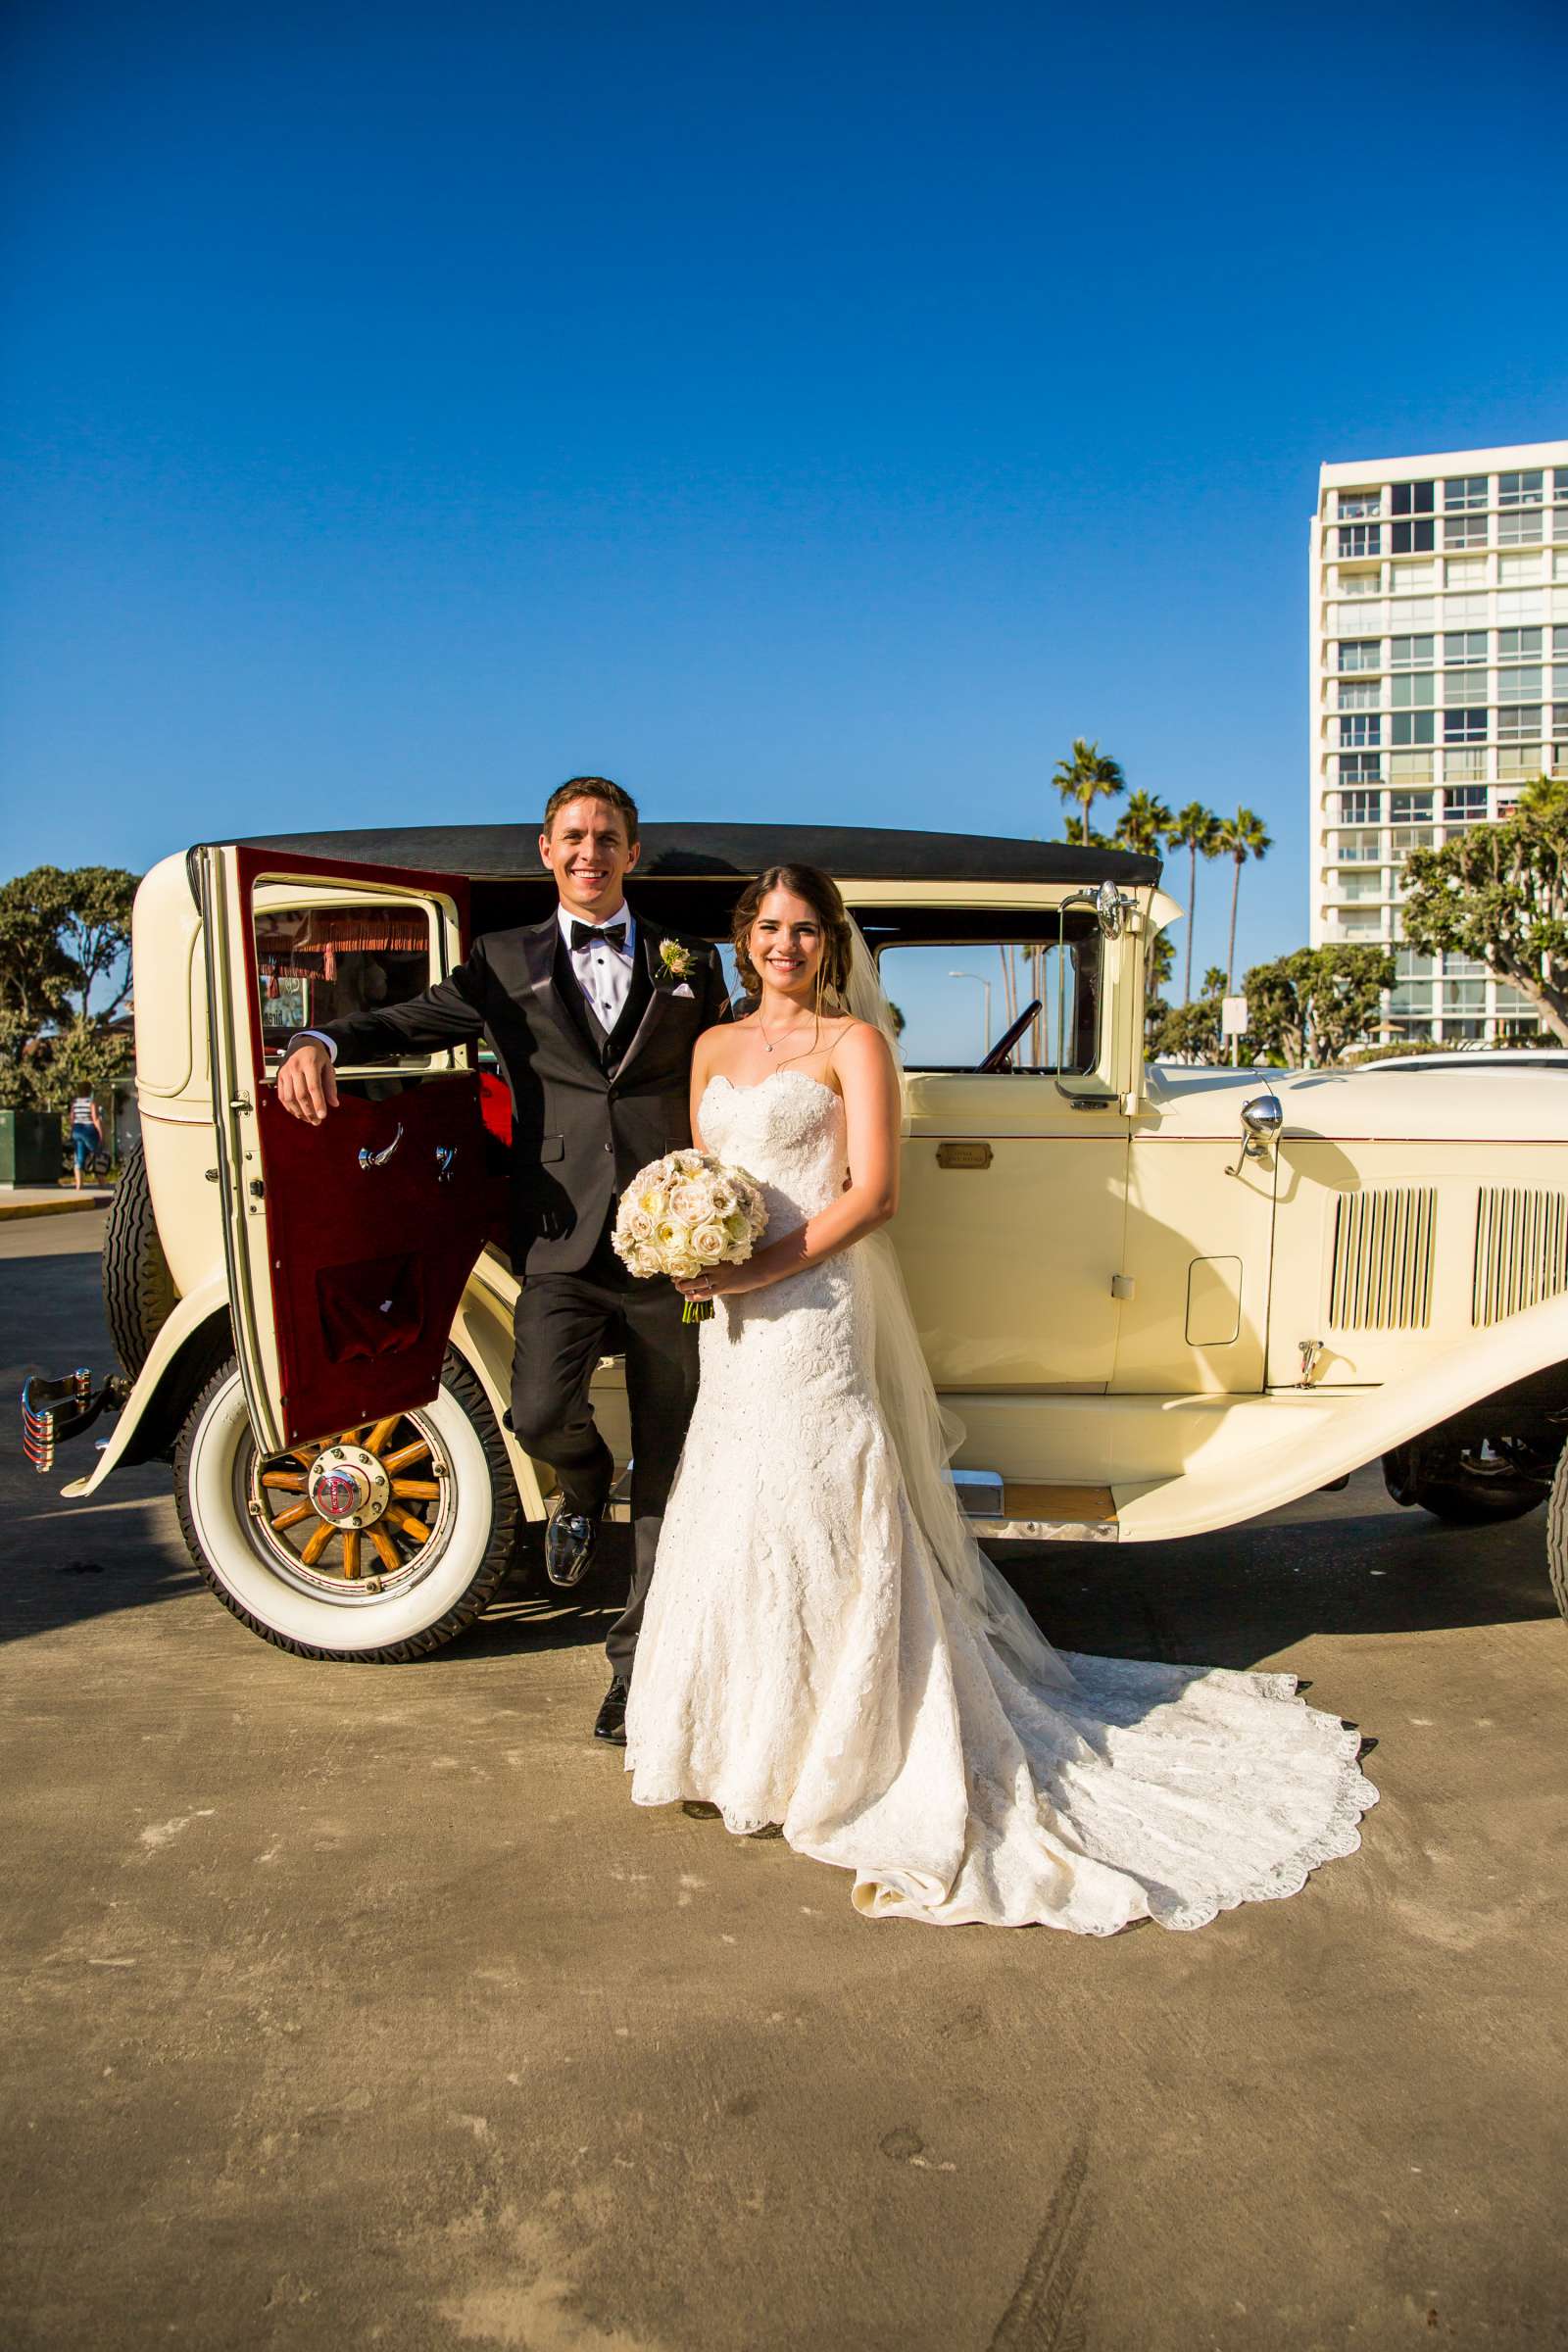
(639, 989)
(647, 946)
(540, 958)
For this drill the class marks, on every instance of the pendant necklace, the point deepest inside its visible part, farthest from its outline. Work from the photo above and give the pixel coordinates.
(769, 1048)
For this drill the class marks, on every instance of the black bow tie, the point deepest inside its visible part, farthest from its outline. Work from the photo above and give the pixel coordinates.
(583, 935)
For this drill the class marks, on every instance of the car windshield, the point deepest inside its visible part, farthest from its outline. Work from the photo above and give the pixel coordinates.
(956, 997)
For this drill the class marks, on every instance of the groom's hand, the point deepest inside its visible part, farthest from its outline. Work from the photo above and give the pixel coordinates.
(307, 1085)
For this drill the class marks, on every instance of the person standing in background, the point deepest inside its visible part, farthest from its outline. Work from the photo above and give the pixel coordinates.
(86, 1134)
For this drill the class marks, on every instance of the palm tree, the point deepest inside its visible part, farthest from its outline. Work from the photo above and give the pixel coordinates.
(1197, 831)
(1088, 776)
(1143, 823)
(1240, 837)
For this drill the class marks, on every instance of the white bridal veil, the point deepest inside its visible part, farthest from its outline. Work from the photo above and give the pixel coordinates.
(924, 1437)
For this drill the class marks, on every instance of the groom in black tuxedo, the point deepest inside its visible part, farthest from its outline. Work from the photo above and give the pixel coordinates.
(593, 1013)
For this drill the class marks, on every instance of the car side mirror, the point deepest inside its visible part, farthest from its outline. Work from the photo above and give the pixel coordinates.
(1113, 906)
(1263, 1117)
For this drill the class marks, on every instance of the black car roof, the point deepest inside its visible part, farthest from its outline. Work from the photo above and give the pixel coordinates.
(866, 853)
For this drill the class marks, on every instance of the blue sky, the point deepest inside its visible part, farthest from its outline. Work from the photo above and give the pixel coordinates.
(806, 411)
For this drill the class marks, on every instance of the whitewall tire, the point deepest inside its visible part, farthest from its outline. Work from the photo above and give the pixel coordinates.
(380, 1546)
(1557, 1534)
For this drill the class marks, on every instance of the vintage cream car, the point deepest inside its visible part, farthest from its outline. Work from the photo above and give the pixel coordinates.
(1160, 1300)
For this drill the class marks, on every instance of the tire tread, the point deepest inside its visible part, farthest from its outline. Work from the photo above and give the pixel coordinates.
(139, 1293)
(1557, 1534)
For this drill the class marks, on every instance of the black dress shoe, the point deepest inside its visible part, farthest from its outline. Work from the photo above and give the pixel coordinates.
(569, 1541)
(610, 1722)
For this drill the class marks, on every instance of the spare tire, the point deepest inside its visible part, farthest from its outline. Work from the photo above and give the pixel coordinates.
(140, 1291)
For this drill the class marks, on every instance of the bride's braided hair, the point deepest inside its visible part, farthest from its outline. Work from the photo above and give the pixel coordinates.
(821, 894)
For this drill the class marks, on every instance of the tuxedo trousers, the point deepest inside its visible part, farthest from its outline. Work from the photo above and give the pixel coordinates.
(564, 1323)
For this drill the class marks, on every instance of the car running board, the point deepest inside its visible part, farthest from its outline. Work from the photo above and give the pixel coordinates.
(1025, 1511)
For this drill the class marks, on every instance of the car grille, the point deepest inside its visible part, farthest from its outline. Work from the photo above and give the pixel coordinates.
(1383, 1248)
(1521, 1250)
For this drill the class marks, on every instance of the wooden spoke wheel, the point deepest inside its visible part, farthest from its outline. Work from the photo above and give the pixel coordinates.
(381, 1543)
(360, 1508)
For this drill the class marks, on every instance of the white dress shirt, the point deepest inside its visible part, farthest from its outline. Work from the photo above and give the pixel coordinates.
(603, 974)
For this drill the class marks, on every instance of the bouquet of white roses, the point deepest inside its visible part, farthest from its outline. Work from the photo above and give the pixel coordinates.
(685, 1212)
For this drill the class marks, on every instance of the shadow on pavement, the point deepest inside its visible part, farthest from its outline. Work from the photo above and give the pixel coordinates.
(1349, 1563)
(1242, 1596)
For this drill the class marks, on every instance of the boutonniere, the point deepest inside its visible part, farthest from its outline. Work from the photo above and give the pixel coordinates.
(675, 959)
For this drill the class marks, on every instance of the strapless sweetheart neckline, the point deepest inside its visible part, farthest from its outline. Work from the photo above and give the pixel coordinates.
(720, 1078)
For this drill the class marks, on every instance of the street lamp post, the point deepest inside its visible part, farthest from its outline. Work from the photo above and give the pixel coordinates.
(980, 981)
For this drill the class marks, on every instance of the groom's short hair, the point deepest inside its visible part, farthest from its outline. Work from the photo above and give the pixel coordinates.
(591, 788)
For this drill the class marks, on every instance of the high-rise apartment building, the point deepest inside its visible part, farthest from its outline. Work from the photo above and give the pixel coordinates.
(1440, 687)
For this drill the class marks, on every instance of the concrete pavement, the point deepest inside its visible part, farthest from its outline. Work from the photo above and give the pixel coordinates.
(49, 1201)
(356, 2006)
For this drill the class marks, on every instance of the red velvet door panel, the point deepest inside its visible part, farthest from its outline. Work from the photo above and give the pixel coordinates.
(373, 1220)
(379, 1215)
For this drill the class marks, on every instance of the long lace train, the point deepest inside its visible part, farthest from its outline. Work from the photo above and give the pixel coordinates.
(805, 1661)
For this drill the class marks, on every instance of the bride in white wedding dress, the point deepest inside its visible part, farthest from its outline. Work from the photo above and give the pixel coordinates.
(824, 1649)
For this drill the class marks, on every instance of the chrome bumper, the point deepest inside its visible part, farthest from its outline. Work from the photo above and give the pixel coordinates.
(55, 1410)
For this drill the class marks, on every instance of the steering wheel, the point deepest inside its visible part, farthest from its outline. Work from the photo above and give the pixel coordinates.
(1010, 1037)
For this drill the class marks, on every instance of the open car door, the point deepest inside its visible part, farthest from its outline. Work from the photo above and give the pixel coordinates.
(348, 1244)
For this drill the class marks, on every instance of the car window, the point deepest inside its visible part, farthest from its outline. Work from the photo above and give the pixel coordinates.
(956, 1000)
(322, 963)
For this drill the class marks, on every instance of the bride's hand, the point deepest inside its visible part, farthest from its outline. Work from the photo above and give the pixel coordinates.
(714, 1282)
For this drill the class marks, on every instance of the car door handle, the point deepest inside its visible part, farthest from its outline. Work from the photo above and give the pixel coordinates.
(378, 1160)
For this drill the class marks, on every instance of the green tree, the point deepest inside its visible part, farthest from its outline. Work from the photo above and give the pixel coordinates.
(1143, 823)
(1499, 892)
(1315, 1005)
(1159, 964)
(96, 931)
(1190, 1032)
(1240, 837)
(35, 977)
(1088, 776)
(1195, 830)
(1073, 829)
(63, 934)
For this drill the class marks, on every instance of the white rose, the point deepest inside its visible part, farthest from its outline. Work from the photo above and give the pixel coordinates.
(687, 1202)
(707, 1240)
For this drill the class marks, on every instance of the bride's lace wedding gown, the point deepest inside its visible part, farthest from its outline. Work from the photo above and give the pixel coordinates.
(805, 1661)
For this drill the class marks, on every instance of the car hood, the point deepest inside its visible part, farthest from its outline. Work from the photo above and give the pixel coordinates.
(1497, 1105)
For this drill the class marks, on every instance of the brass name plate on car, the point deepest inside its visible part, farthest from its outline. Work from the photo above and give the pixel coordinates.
(965, 1156)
